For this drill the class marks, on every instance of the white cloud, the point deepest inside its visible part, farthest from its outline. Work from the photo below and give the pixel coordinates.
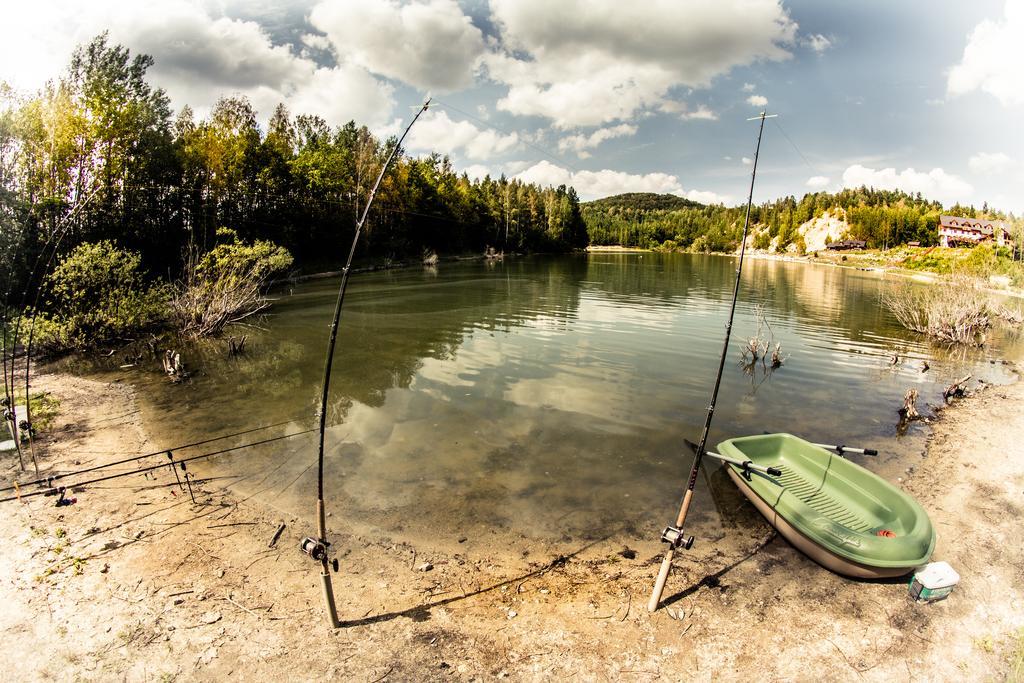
(428, 44)
(747, 161)
(704, 196)
(476, 171)
(993, 58)
(817, 42)
(316, 41)
(198, 57)
(606, 182)
(436, 132)
(757, 101)
(592, 62)
(934, 184)
(748, 87)
(817, 182)
(581, 143)
(701, 113)
(991, 163)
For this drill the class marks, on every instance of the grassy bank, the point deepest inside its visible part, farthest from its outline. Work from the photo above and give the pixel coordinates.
(993, 264)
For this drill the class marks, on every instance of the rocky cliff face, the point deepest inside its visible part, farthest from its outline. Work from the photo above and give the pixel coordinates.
(817, 232)
(829, 227)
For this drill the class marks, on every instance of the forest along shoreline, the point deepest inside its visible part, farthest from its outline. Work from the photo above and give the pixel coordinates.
(136, 581)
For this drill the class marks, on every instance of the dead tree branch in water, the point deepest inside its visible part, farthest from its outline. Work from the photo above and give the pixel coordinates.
(236, 346)
(956, 389)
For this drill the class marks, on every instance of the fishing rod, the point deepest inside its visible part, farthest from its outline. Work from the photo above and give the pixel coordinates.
(8, 408)
(59, 231)
(48, 481)
(32, 323)
(674, 535)
(52, 491)
(317, 547)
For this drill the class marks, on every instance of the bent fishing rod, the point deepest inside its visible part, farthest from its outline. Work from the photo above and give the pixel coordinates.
(674, 536)
(317, 548)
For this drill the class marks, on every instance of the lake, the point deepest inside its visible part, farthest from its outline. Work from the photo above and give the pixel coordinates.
(544, 400)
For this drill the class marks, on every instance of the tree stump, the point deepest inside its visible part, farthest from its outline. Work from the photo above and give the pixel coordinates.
(173, 366)
(909, 410)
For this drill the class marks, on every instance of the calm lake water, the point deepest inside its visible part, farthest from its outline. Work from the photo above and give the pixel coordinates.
(547, 398)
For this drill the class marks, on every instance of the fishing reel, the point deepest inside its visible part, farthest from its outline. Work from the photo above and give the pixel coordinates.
(62, 499)
(676, 538)
(317, 550)
(314, 548)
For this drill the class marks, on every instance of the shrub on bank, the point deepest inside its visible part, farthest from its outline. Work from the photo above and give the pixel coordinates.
(953, 311)
(225, 285)
(96, 294)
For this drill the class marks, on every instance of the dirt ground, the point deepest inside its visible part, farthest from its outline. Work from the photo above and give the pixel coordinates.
(136, 582)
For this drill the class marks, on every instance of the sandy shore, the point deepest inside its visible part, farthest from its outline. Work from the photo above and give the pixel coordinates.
(135, 582)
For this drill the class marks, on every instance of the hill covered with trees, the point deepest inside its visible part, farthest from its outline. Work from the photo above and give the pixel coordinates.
(882, 218)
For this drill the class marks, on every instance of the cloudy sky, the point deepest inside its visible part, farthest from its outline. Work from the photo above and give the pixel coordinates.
(605, 95)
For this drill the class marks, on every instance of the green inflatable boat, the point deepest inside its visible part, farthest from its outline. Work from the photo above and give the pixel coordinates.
(842, 516)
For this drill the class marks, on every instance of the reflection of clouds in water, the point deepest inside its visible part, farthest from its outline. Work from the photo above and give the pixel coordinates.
(552, 404)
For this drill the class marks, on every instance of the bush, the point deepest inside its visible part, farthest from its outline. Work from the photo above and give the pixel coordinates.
(763, 240)
(952, 310)
(96, 294)
(225, 284)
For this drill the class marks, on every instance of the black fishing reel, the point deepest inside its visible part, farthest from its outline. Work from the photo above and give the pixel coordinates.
(317, 550)
(676, 538)
(314, 548)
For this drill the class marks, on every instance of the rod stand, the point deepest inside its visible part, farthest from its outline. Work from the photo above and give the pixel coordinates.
(188, 480)
(676, 538)
(170, 456)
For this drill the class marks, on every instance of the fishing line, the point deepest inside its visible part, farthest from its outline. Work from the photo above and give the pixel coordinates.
(779, 126)
(528, 143)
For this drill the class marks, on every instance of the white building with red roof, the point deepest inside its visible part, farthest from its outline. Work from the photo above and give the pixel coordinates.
(956, 231)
